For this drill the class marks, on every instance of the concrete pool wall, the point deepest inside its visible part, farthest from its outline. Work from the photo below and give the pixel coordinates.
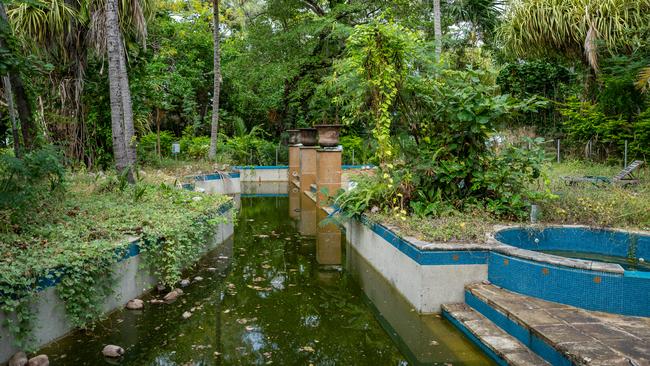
(131, 281)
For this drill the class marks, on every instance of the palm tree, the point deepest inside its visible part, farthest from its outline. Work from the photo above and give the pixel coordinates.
(13, 84)
(65, 30)
(214, 130)
(571, 28)
(115, 71)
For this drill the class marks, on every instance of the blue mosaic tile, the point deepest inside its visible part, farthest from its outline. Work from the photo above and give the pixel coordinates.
(581, 288)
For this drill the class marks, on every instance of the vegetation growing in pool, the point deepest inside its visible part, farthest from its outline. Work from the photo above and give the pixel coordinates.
(78, 235)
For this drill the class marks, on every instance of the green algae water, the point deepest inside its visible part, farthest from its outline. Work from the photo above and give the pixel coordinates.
(284, 291)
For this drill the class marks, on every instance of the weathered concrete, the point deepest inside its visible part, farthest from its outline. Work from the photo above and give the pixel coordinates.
(328, 242)
(294, 161)
(426, 287)
(131, 281)
(503, 345)
(263, 173)
(584, 337)
(225, 185)
(328, 174)
(307, 167)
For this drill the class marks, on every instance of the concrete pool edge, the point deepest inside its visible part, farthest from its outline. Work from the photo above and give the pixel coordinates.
(132, 280)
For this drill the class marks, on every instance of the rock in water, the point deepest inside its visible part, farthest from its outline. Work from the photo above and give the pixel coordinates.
(113, 351)
(173, 295)
(185, 283)
(19, 359)
(40, 360)
(135, 304)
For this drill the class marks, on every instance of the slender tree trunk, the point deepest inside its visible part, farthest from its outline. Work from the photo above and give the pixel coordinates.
(214, 131)
(122, 162)
(127, 108)
(437, 28)
(158, 133)
(12, 114)
(27, 126)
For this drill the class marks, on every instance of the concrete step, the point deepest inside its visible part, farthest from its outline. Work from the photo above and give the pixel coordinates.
(502, 347)
(562, 334)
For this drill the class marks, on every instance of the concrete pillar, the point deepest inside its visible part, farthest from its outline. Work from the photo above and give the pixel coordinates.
(308, 216)
(294, 201)
(328, 174)
(307, 167)
(328, 242)
(294, 163)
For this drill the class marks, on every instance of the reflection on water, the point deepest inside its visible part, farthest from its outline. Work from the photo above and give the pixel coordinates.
(423, 339)
(274, 295)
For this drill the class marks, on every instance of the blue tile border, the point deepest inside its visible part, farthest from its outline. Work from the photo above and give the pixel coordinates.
(487, 350)
(216, 176)
(523, 335)
(587, 289)
(577, 239)
(259, 167)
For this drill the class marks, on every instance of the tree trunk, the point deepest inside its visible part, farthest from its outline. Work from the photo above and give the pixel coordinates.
(27, 126)
(437, 28)
(127, 108)
(158, 133)
(12, 114)
(214, 131)
(122, 162)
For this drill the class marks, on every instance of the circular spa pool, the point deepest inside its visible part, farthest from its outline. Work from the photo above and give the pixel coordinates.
(595, 269)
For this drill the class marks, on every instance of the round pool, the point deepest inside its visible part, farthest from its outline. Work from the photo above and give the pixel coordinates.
(595, 269)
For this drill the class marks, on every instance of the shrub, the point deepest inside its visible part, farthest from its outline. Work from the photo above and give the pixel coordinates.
(29, 184)
(147, 145)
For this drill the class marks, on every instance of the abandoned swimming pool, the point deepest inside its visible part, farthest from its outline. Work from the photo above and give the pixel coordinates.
(273, 295)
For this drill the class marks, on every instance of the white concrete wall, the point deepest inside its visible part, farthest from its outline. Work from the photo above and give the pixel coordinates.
(131, 280)
(264, 175)
(225, 185)
(425, 287)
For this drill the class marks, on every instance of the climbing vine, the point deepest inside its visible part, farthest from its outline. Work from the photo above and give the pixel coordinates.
(373, 69)
(76, 244)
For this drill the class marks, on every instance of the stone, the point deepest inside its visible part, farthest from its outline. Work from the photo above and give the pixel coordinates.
(40, 360)
(198, 279)
(184, 283)
(212, 269)
(187, 315)
(135, 304)
(160, 287)
(113, 351)
(19, 359)
(173, 295)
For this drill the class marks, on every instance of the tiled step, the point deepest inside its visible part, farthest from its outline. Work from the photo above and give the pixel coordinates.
(502, 347)
(562, 334)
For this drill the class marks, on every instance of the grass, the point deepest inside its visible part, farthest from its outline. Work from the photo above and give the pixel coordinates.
(601, 206)
(610, 206)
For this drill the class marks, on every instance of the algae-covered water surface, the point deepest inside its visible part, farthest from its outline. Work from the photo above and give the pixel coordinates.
(278, 292)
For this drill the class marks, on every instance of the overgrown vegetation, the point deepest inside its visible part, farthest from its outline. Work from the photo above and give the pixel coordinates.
(75, 239)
